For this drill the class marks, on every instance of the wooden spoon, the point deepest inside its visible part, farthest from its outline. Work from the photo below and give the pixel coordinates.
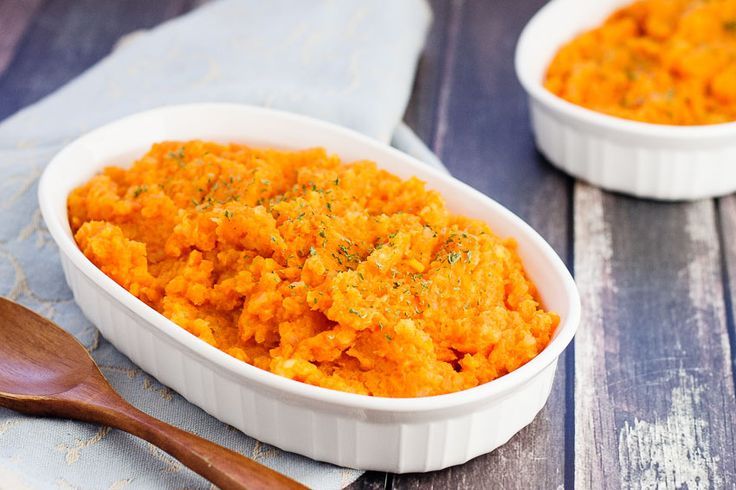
(46, 371)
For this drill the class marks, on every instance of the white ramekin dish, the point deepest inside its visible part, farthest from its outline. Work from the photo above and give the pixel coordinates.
(647, 160)
(397, 435)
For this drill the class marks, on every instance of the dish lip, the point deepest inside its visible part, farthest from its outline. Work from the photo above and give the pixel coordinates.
(60, 232)
(530, 36)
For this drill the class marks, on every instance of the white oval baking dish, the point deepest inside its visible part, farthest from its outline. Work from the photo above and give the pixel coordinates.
(397, 435)
(647, 160)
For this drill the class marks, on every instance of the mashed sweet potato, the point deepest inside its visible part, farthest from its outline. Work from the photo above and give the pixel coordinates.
(338, 275)
(657, 61)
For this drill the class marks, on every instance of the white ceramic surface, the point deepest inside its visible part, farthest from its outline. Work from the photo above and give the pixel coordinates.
(397, 435)
(646, 160)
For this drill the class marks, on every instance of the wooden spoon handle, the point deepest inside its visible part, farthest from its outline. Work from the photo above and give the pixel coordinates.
(223, 467)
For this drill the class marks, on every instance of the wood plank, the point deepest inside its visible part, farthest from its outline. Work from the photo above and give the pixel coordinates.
(371, 480)
(14, 19)
(727, 215)
(482, 133)
(68, 36)
(424, 105)
(654, 392)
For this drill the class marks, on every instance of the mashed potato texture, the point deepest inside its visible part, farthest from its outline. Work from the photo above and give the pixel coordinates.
(339, 275)
(657, 61)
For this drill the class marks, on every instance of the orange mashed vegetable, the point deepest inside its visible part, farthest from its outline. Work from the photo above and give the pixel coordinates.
(657, 61)
(338, 275)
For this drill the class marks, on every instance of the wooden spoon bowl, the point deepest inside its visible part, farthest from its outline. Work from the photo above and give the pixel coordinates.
(46, 371)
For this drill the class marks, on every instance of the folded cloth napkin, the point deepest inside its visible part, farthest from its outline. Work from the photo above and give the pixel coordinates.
(350, 62)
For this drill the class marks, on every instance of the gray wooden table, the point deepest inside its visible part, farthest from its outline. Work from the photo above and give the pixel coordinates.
(645, 396)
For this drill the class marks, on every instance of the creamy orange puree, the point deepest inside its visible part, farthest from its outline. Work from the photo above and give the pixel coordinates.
(338, 275)
(657, 61)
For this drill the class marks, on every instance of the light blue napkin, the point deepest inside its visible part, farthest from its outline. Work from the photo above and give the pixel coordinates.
(348, 61)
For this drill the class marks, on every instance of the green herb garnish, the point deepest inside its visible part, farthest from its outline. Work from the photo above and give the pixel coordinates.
(178, 156)
(139, 190)
(355, 312)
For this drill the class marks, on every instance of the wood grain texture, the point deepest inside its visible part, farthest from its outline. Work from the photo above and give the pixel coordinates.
(65, 37)
(372, 480)
(424, 105)
(15, 17)
(482, 134)
(727, 222)
(654, 393)
(46, 371)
